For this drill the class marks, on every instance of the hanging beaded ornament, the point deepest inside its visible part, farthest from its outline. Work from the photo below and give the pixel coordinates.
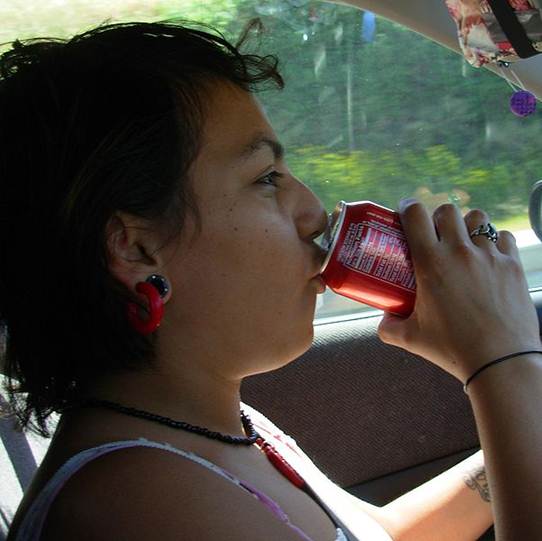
(522, 102)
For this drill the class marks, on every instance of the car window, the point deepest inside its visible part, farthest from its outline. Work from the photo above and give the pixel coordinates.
(370, 111)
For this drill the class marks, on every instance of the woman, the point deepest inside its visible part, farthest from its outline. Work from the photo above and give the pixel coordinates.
(176, 256)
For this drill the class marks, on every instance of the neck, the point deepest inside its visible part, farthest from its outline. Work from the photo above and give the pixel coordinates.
(198, 399)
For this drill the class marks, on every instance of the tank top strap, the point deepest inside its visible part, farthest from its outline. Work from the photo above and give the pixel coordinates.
(32, 524)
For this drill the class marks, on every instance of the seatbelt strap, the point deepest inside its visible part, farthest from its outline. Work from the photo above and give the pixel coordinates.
(512, 28)
(17, 448)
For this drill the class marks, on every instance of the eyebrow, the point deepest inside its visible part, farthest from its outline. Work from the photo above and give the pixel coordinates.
(260, 142)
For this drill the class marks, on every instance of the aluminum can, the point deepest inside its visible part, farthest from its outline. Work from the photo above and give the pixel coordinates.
(368, 258)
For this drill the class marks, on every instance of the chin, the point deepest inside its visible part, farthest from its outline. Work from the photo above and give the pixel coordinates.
(291, 351)
(301, 346)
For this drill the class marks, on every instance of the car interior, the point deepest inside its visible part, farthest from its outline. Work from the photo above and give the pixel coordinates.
(401, 112)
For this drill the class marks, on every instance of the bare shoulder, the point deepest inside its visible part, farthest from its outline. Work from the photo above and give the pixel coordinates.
(139, 493)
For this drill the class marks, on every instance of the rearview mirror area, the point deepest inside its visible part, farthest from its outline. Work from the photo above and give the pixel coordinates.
(535, 208)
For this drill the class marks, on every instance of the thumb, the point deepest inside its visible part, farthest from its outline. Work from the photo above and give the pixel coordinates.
(394, 330)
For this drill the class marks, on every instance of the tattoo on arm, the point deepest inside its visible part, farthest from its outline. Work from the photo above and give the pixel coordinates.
(476, 479)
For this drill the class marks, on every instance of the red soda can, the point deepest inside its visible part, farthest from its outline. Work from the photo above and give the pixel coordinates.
(368, 258)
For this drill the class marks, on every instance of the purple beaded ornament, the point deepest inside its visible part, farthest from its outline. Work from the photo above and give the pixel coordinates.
(522, 103)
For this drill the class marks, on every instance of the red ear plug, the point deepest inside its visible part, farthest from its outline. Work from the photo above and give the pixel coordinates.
(156, 309)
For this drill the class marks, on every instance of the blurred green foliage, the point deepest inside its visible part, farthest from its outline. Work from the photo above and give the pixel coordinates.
(435, 175)
(394, 117)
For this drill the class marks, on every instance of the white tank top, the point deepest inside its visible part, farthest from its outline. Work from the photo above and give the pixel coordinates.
(32, 523)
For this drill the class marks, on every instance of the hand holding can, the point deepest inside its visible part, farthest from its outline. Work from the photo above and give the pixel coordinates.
(473, 303)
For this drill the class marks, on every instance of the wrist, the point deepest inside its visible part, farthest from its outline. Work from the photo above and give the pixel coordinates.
(494, 362)
(515, 371)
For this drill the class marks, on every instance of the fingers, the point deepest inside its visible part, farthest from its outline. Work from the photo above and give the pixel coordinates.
(473, 220)
(507, 244)
(450, 224)
(418, 227)
(452, 227)
(393, 330)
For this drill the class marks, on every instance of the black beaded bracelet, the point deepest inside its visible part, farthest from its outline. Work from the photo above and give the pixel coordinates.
(500, 360)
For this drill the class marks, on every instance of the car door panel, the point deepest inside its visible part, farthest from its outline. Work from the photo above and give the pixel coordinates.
(363, 409)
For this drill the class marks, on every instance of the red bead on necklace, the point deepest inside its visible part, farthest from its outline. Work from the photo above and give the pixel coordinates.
(279, 462)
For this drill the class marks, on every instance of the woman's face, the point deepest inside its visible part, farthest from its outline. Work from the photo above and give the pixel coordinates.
(243, 289)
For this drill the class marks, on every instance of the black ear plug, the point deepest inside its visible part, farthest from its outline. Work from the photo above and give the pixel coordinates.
(160, 283)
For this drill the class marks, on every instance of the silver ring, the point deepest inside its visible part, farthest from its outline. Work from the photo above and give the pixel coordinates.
(487, 231)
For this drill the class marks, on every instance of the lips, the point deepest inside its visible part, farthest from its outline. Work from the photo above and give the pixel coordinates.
(319, 256)
(319, 281)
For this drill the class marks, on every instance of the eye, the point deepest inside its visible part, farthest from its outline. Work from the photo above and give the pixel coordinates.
(271, 178)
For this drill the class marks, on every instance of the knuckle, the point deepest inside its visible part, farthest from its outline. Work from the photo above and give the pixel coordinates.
(476, 214)
(407, 337)
(436, 261)
(413, 209)
(507, 236)
(493, 259)
(515, 266)
(410, 337)
(386, 335)
(382, 333)
(464, 251)
(391, 334)
(432, 273)
(446, 209)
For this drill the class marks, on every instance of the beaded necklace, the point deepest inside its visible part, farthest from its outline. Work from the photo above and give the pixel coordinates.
(274, 457)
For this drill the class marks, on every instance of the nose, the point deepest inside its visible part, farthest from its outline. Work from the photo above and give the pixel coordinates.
(312, 219)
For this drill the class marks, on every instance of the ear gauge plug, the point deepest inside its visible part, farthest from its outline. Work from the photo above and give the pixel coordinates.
(154, 288)
(160, 283)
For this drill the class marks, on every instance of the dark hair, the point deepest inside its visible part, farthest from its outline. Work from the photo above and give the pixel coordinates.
(107, 121)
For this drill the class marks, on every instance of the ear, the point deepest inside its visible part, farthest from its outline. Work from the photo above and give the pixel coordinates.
(133, 249)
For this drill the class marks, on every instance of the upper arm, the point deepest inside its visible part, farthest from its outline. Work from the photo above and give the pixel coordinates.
(145, 494)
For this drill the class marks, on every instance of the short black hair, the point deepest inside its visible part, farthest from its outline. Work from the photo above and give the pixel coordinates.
(107, 121)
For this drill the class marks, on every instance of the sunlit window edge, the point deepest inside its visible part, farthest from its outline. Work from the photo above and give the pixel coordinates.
(367, 312)
(364, 313)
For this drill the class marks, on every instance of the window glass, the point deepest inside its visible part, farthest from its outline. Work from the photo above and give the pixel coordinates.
(371, 110)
